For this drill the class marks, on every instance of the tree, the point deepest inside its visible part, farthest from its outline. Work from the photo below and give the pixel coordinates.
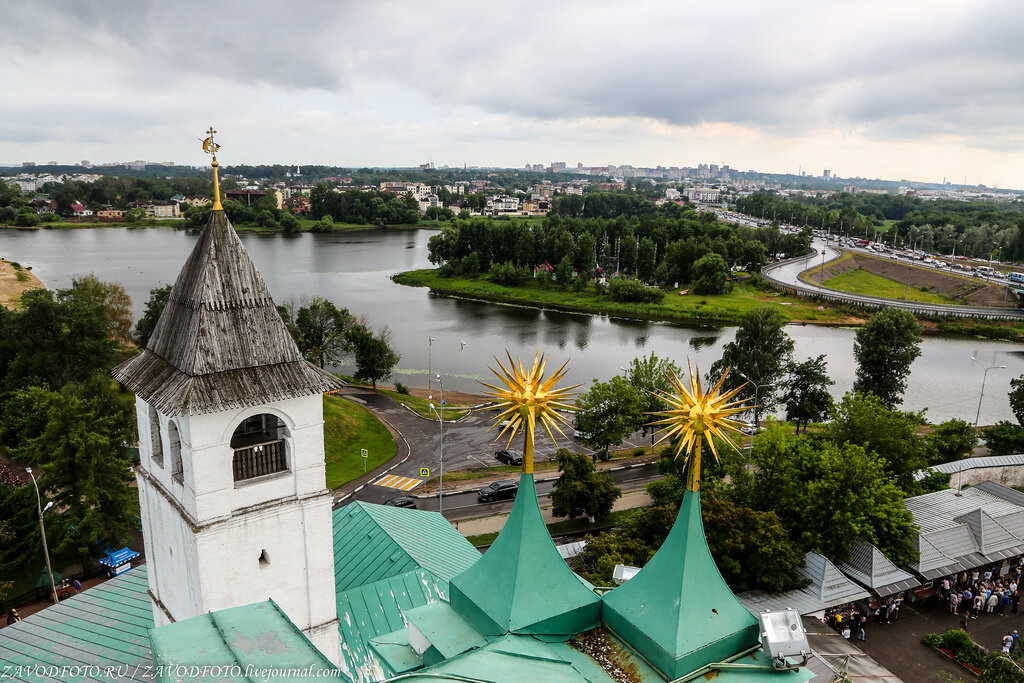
(884, 349)
(755, 255)
(375, 359)
(322, 330)
(1003, 438)
(648, 375)
(645, 259)
(805, 392)
(290, 224)
(709, 274)
(1017, 398)
(827, 496)
(144, 327)
(608, 412)
(56, 338)
(750, 547)
(758, 355)
(951, 440)
(580, 489)
(864, 420)
(112, 297)
(563, 271)
(85, 472)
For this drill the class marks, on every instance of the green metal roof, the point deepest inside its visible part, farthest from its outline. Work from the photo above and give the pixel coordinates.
(249, 643)
(522, 584)
(105, 626)
(445, 628)
(373, 542)
(678, 612)
(377, 609)
(514, 658)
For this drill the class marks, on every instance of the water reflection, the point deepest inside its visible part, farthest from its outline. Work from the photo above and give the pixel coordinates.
(353, 269)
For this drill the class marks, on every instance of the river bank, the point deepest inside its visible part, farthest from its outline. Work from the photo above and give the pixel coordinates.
(721, 309)
(16, 279)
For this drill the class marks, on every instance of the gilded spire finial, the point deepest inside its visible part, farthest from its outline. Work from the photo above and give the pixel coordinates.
(528, 398)
(211, 147)
(694, 414)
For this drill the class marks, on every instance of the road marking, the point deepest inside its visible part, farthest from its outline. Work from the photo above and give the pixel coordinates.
(393, 481)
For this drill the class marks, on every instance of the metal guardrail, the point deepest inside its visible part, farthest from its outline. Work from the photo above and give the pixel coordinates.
(827, 294)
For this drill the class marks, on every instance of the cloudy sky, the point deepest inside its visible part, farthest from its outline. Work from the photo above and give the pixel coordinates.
(908, 89)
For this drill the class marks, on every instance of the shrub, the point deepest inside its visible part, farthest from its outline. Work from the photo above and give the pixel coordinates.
(621, 289)
(637, 452)
(401, 388)
(1004, 438)
(322, 226)
(507, 275)
(959, 644)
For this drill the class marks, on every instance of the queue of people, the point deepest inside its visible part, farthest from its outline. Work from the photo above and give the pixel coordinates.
(972, 594)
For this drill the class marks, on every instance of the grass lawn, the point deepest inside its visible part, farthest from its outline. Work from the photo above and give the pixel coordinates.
(348, 428)
(692, 307)
(421, 406)
(862, 282)
(564, 527)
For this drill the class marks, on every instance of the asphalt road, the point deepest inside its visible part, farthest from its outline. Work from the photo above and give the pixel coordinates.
(467, 443)
(465, 505)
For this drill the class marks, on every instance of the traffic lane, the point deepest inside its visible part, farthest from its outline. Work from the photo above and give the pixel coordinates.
(465, 505)
(461, 506)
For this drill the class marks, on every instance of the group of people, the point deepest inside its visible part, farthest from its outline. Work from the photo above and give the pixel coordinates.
(851, 621)
(971, 594)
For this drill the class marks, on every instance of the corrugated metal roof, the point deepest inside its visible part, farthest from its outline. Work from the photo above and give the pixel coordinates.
(939, 510)
(373, 542)
(258, 641)
(105, 626)
(376, 609)
(870, 568)
(997, 490)
(990, 535)
(972, 464)
(839, 655)
(828, 587)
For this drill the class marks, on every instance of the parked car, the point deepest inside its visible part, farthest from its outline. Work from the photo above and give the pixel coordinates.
(401, 502)
(509, 457)
(500, 490)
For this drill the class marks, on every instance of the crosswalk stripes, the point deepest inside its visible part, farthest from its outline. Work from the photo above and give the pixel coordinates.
(393, 481)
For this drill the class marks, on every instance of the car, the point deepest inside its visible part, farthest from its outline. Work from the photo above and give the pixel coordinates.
(509, 457)
(401, 502)
(500, 490)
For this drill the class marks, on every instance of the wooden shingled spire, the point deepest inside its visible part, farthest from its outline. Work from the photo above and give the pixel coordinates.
(220, 342)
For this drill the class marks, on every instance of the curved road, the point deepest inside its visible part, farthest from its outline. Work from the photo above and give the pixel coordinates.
(787, 275)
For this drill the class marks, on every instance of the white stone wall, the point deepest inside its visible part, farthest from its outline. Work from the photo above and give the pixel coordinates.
(204, 548)
(1008, 475)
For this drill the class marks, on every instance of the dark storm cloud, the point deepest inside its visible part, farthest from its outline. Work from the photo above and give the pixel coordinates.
(910, 69)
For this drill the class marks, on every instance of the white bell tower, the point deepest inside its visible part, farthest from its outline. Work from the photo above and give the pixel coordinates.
(231, 479)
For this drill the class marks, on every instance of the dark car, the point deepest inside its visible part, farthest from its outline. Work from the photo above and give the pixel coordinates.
(509, 457)
(401, 502)
(499, 490)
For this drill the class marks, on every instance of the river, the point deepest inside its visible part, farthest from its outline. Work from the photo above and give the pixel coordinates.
(352, 269)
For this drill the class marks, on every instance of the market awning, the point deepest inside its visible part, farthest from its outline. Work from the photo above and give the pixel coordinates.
(119, 557)
(44, 578)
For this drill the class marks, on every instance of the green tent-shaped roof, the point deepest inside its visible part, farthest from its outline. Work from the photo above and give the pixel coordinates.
(678, 612)
(522, 584)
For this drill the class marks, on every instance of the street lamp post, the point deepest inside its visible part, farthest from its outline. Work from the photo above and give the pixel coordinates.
(42, 530)
(430, 344)
(757, 387)
(984, 378)
(440, 419)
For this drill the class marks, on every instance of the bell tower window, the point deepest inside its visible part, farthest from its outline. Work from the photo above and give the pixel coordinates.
(259, 447)
(156, 443)
(174, 446)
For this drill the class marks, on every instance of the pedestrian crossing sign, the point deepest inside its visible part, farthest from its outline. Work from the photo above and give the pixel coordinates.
(366, 453)
(424, 471)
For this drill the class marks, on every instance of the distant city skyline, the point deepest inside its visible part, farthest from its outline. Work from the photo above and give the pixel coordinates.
(913, 90)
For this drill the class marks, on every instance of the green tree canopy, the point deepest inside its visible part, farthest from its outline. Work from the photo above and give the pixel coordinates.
(1017, 398)
(884, 349)
(322, 329)
(608, 412)
(580, 489)
(951, 440)
(375, 359)
(759, 355)
(648, 375)
(805, 392)
(709, 274)
(145, 325)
